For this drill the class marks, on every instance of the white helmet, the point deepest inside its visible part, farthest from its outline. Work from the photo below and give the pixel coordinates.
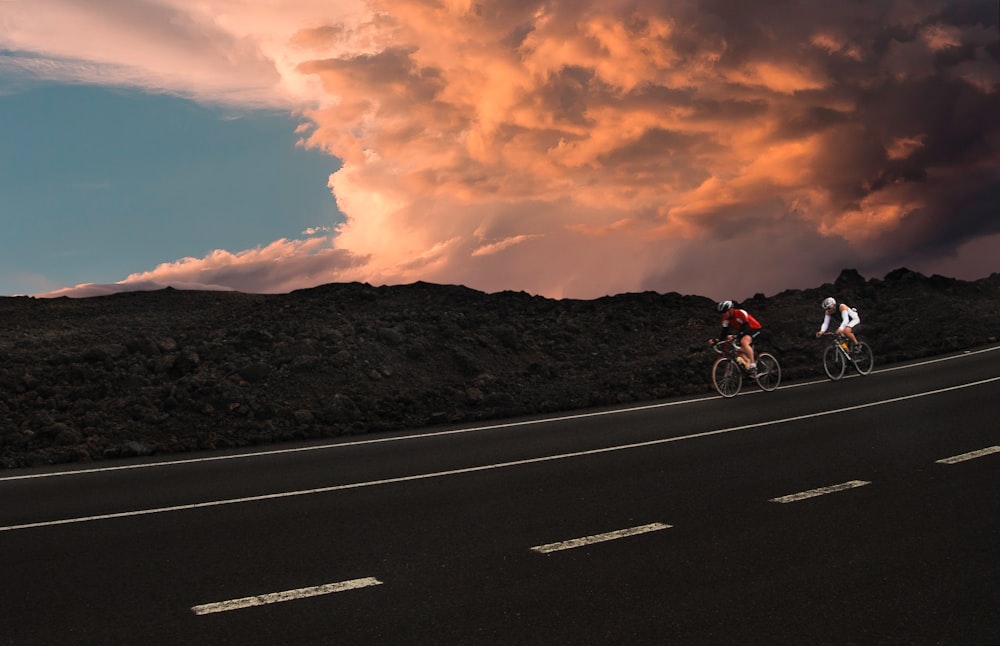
(725, 306)
(829, 302)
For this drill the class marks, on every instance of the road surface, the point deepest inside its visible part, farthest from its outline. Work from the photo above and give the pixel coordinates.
(860, 511)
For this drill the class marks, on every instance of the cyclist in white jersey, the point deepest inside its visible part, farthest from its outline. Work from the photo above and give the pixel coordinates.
(849, 319)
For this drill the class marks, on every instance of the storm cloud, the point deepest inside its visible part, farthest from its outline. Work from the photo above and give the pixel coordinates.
(576, 149)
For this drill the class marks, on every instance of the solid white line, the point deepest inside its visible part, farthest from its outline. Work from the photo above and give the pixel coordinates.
(907, 366)
(927, 362)
(377, 440)
(458, 431)
(287, 595)
(970, 456)
(822, 491)
(598, 538)
(490, 467)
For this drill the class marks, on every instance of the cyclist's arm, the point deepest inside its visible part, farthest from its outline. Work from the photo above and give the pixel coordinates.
(826, 325)
(725, 331)
(845, 316)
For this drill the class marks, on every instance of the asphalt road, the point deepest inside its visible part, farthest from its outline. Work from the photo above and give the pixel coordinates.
(861, 511)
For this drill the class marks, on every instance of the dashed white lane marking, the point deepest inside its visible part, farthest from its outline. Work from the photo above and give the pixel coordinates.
(972, 455)
(457, 431)
(822, 491)
(598, 538)
(287, 595)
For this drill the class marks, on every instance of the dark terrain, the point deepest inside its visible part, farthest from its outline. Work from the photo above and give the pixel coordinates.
(171, 371)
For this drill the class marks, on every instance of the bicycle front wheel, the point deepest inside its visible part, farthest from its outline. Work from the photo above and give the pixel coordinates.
(726, 377)
(768, 371)
(833, 362)
(863, 360)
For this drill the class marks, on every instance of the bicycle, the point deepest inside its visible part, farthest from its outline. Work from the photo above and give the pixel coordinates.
(838, 354)
(731, 368)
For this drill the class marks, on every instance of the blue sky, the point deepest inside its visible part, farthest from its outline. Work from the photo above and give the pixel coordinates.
(567, 149)
(97, 183)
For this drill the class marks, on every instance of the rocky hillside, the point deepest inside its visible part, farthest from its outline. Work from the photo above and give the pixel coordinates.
(173, 371)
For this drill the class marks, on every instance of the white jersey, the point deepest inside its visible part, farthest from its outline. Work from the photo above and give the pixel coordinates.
(848, 318)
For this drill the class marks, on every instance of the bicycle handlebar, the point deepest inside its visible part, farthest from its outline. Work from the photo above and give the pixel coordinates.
(734, 343)
(717, 344)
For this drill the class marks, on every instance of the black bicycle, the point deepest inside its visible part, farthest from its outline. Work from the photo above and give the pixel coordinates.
(839, 354)
(731, 368)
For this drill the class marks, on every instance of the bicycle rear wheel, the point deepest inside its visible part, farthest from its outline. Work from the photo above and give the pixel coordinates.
(862, 358)
(768, 371)
(726, 377)
(833, 362)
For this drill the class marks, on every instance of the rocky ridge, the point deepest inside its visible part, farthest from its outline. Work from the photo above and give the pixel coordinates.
(170, 371)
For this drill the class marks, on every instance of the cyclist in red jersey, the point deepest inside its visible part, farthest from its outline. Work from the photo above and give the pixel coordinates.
(740, 323)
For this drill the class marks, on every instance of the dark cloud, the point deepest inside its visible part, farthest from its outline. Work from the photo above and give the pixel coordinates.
(767, 258)
(580, 148)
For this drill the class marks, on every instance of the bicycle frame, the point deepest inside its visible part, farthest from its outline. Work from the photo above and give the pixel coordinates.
(840, 340)
(731, 349)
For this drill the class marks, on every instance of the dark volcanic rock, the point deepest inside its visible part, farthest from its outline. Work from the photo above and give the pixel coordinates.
(146, 373)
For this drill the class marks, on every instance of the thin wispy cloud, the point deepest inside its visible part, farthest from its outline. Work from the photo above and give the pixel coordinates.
(579, 149)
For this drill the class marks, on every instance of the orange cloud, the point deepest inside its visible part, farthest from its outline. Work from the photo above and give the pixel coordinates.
(500, 245)
(278, 267)
(941, 37)
(836, 44)
(877, 214)
(510, 144)
(784, 77)
(903, 147)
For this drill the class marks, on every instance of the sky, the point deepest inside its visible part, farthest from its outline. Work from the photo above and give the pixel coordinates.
(565, 148)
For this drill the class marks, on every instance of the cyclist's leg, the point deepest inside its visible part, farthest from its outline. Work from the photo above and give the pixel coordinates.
(849, 331)
(746, 343)
(853, 321)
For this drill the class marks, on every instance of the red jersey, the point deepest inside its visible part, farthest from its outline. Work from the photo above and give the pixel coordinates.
(739, 319)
